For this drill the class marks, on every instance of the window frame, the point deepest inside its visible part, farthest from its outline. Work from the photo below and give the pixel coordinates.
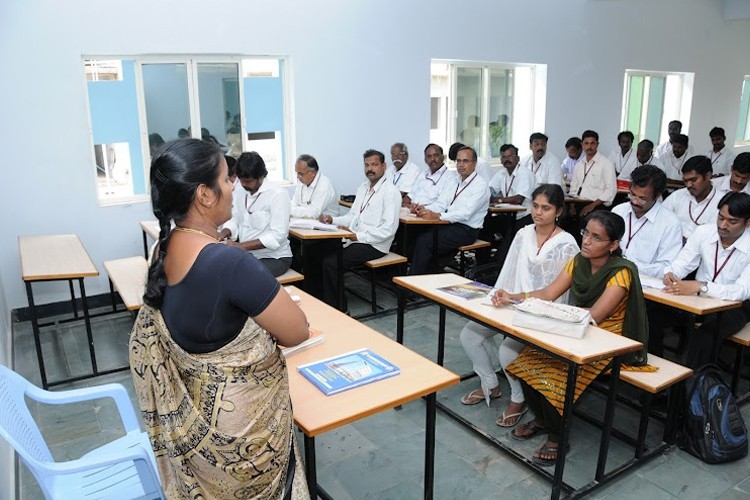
(743, 129)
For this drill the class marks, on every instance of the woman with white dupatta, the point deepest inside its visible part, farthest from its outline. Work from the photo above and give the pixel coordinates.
(536, 256)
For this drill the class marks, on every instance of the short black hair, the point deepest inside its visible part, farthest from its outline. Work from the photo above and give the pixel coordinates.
(574, 142)
(473, 152)
(433, 145)
(738, 204)
(646, 143)
(741, 164)
(310, 161)
(698, 164)
(681, 139)
(506, 147)
(590, 133)
(374, 152)
(454, 149)
(649, 175)
(717, 132)
(626, 133)
(538, 136)
(251, 166)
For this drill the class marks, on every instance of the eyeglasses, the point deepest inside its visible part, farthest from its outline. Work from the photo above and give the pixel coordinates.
(585, 234)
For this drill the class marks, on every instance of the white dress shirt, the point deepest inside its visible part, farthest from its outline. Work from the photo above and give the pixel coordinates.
(319, 198)
(721, 162)
(673, 165)
(723, 185)
(428, 187)
(651, 242)
(374, 214)
(547, 170)
(665, 148)
(595, 179)
(703, 251)
(627, 170)
(464, 201)
(262, 216)
(567, 166)
(405, 178)
(690, 213)
(626, 161)
(484, 169)
(521, 182)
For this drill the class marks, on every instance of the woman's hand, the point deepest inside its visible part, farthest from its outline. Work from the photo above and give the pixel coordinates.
(503, 298)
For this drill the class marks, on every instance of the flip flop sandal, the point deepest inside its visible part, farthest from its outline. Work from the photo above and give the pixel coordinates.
(548, 462)
(476, 396)
(535, 430)
(503, 420)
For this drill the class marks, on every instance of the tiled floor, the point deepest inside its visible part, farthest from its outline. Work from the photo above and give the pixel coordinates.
(382, 456)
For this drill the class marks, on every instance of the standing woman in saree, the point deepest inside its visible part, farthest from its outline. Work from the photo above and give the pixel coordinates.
(607, 284)
(210, 380)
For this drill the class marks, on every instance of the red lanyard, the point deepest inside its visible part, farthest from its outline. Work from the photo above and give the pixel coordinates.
(716, 261)
(367, 201)
(585, 174)
(253, 203)
(630, 227)
(458, 193)
(690, 210)
(546, 240)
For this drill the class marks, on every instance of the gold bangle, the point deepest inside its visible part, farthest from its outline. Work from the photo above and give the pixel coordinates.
(526, 295)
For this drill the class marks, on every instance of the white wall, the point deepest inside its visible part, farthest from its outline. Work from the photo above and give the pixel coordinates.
(361, 76)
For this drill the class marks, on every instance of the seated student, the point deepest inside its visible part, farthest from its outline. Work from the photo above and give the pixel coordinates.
(696, 203)
(674, 128)
(675, 159)
(463, 203)
(402, 172)
(623, 156)
(737, 180)
(594, 176)
(644, 155)
(373, 219)
(260, 216)
(721, 255)
(429, 185)
(514, 184)
(574, 150)
(721, 155)
(314, 195)
(600, 279)
(538, 253)
(653, 235)
(545, 166)
(483, 168)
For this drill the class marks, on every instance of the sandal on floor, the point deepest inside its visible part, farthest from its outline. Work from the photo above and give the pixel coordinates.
(531, 426)
(477, 396)
(547, 462)
(514, 417)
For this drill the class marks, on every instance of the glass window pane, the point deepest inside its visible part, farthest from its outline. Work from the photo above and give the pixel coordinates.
(219, 99)
(501, 109)
(654, 115)
(743, 122)
(635, 106)
(165, 89)
(469, 106)
(439, 96)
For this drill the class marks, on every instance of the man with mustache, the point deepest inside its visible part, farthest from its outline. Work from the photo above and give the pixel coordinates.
(513, 184)
(644, 155)
(721, 254)
(676, 158)
(545, 166)
(721, 155)
(594, 177)
(373, 219)
(665, 148)
(260, 216)
(429, 185)
(463, 203)
(403, 173)
(738, 178)
(623, 156)
(696, 203)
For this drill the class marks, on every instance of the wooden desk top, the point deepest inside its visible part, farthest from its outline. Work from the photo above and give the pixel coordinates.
(409, 218)
(316, 413)
(314, 234)
(129, 279)
(505, 208)
(54, 257)
(151, 228)
(347, 204)
(596, 343)
(691, 303)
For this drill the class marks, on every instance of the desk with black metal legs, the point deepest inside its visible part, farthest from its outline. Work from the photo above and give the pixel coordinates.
(596, 345)
(151, 230)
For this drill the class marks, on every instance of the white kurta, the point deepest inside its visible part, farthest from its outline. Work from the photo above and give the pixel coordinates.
(319, 198)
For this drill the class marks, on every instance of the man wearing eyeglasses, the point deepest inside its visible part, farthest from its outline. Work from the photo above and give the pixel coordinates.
(403, 173)
(314, 195)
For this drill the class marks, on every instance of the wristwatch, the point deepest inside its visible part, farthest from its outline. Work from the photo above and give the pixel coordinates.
(704, 287)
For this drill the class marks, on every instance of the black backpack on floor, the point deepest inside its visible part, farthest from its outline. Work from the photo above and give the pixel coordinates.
(713, 429)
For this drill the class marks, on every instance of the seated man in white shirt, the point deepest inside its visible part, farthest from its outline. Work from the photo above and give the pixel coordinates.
(513, 184)
(545, 166)
(403, 172)
(697, 203)
(674, 160)
(314, 195)
(463, 203)
(644, 155)
(373, 219)
(594, 176)
(673, 129)
(484, 169)
(623, 157)
(260, 216)
(428, 186)
(721, 255)
(574, 150)
(653, 236)
(738, 178)
(721, 155)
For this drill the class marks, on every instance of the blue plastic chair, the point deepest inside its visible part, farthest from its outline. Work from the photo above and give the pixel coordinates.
(124, 468)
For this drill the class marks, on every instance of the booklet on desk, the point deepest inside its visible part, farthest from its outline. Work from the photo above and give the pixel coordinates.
(347, 371)
(469, 291)
(311, 224)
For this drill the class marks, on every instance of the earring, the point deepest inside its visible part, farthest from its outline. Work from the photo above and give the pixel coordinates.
(209, 205)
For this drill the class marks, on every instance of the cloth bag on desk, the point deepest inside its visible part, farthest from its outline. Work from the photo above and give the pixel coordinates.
(551, 317)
